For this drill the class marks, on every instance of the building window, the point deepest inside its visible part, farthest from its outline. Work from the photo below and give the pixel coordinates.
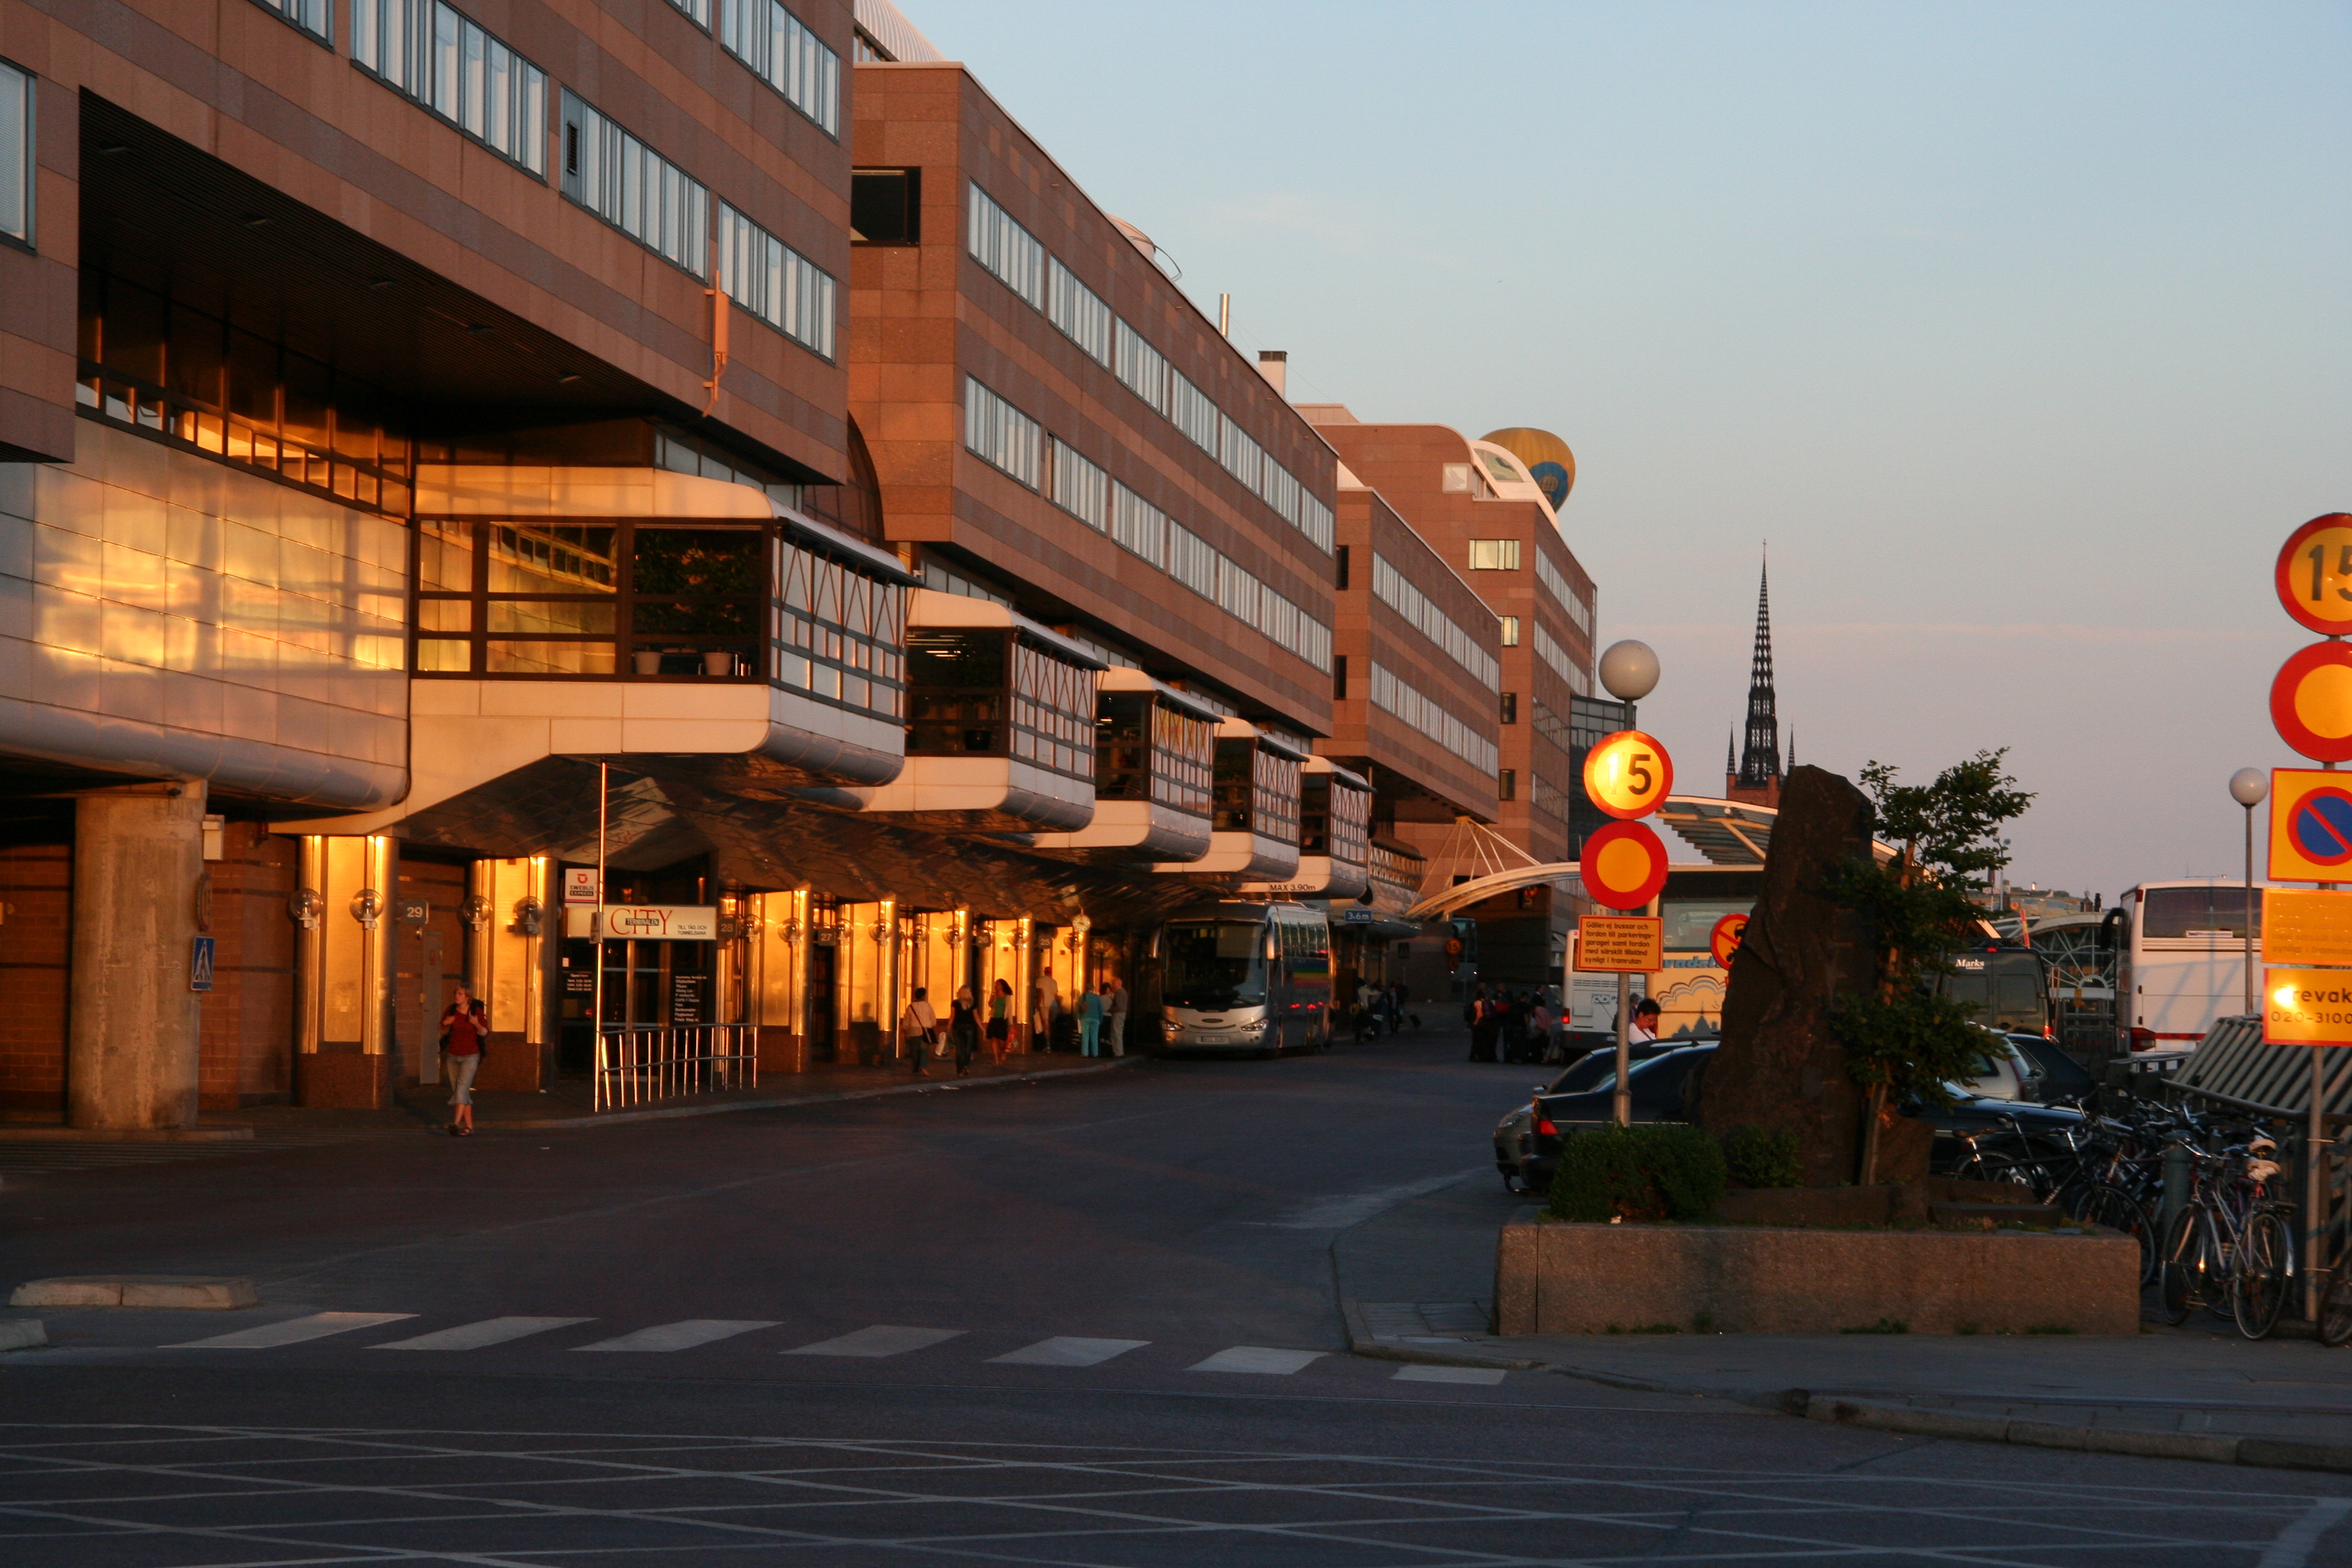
(1552, 654)
(1194, 413)
(839, 635)
(1191, 561)
(1080, 488)
(1341, 584)
(1242, 457)
(1494, 555)
(1078, 310)
(1007, 249)
(316, 18)
(990, 693)
(699, 10)
(1510, 707)
(785, 55)
(1509, 625)
(1138, 526)
(1140, 368)
(1506, 783)
(996, 431)
(194, 381)
(1556, 583)
(775, 282)
(1339, 679)
(1391, 588)
(1237, 593)
(1315, 519)
(428, 52)
(1431, 719)
(634, 188)
(886, 207)
(15, 153)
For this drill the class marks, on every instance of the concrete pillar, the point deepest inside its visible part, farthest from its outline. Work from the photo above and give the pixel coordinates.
(132, 1039)
(505, 958)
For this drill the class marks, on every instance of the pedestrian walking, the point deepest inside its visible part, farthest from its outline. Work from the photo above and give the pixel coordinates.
(1485, 1014)
(1044, 1002)
(920, 1028)
(1000, 1020)
(464, 1026)
(1115, 1024)
(963, 1028)
(1090, 1023)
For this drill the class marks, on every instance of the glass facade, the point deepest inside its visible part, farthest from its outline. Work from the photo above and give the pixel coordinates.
(15, 153)
(153, 364)
(775, 282)
(785, 55)
(999, 434)
(1007, 249)
(428, 51)
(991, 693)
(316, 18)
(1146, 749)
(1392, 589)
(1335, 819)
(1254, 790)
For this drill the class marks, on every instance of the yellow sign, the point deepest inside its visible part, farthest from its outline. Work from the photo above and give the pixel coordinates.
(1628, 775)
(2307, 1006)
(2313, 575)
(1620, 944)
(2307, 927)
(2311, 825)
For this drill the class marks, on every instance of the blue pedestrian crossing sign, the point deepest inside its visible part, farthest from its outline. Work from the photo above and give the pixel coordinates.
(200, 964)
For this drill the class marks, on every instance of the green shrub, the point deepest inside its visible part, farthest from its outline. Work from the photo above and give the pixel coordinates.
(1760, 1159)
(1649, 1171)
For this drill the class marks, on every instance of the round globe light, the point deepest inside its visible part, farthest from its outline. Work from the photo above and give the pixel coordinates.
(1630, 671)
(2248, 786)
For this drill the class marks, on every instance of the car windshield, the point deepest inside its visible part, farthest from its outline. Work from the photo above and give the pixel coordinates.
(1214, 964)
(1640, 1070)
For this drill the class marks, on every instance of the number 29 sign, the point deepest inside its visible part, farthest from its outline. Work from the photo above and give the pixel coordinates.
(1628, 775)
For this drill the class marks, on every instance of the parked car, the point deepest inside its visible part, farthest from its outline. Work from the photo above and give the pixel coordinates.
(1512, 1134)
(2004, 1071)
(1527, 1141)
(2064, 1080)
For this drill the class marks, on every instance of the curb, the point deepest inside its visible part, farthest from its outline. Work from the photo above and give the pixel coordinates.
(2266, 1453)
(672, 1113)
(38, 1134)
(23, 1334)
(197, 1292)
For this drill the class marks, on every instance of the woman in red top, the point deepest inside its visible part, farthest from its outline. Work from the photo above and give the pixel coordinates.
(464, 1026)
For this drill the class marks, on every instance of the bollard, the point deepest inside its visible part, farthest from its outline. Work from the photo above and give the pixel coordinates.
(2177, 1166)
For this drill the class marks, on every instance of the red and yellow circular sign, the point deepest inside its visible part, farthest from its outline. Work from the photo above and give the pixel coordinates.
(1724, 940)
(1623, 865)
(2315, 574)
(2311, 702)
(1628, 775)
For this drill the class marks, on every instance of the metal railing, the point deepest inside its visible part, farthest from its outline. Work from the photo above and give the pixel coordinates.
(636, 1065)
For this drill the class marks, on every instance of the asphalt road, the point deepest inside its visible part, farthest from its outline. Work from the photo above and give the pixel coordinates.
(1090, 1322)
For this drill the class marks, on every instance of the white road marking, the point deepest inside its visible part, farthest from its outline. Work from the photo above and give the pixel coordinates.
(1064, 1350)
(681, 1336)
(2293, 1547)
(881, 1340)
(1258, 1358)
(474, 1336)
(292, 1331)
(1346, 1209)
(1417, 1373)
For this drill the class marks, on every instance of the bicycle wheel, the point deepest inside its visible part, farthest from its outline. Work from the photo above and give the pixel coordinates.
(2182, 1268)
(2261, 1274)
(2110, 1205)
(2335, 1311)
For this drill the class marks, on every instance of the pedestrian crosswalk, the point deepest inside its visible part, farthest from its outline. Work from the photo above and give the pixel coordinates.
(876, 1341)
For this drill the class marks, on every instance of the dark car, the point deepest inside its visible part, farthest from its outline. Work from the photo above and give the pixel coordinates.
(2064, 1080)
(1657, 1095)
(1514, 1134)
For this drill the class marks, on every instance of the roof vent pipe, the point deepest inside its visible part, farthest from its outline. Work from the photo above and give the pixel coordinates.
(1274, 365)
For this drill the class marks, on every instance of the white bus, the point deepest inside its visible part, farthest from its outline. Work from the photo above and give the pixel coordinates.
(2181, 962)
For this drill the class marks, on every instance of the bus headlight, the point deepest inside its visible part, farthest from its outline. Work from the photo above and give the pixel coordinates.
(1254, 1026)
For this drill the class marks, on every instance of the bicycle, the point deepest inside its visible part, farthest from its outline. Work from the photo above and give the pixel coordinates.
(2231, 1249)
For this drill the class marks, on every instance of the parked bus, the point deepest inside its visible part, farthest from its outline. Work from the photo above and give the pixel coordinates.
(2180, 954)
(1244, 977)
(2005, 987)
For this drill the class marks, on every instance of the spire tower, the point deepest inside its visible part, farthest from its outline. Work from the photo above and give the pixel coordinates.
(1759, 774)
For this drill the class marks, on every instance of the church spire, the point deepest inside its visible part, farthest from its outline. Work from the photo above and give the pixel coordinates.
(1759, 759)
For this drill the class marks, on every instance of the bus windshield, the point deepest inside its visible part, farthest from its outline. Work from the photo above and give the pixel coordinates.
(1215, 964)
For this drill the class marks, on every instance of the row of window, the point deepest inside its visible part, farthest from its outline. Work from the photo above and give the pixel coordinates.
(1021, 262)
(1391, 588)
(775, 282)
(1548, 650)
(1569, 600)
(15, 153)
(1001, 435)
(426, 51)
(1148, 749)
(1431, 719)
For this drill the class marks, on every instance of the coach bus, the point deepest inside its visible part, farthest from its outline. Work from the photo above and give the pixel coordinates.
(1244, 977)
(2181, 962)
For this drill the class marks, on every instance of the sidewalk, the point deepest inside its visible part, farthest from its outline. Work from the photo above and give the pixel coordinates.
(1416, 1284)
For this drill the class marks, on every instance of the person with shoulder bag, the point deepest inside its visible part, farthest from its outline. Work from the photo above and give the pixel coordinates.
(919, 1028)
(465, 1037)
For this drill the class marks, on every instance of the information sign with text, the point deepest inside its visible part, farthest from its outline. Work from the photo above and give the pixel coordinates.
(1621, 944)
(2307, 1006)
(2304, 926)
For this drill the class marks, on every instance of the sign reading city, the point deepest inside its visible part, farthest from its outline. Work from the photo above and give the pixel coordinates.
(658, 922)
(2311, 825)
(2307, 1006)
(2315, 574)
(1623, 865)
(1725, 939)
(1620, 944)
(2311, 702)
(1628, 775)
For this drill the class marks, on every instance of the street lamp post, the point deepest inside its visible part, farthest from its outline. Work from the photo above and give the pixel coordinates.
(2247, 787)
(1630, 671)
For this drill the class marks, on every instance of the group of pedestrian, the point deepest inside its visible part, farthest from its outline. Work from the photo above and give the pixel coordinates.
(1098, 1021)
(1513, 1025)
(1379, 1009)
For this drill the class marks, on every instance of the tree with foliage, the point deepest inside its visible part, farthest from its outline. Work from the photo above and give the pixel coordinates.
(1904, 1042)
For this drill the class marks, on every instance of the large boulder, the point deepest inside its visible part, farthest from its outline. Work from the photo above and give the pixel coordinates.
(1779, 1067)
